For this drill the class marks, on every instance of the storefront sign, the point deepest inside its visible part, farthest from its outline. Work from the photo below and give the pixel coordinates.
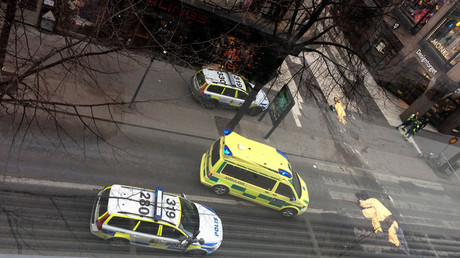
(425, 61)
(176, 9)
(444, 52)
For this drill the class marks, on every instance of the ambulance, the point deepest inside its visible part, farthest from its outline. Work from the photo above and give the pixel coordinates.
(151, 218)
(214, 87)
(254, 171)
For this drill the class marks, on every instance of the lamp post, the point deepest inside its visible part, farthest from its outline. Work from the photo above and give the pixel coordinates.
(142, 81)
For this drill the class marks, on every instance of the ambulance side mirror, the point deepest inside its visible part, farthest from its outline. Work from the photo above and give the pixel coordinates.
(183, 195)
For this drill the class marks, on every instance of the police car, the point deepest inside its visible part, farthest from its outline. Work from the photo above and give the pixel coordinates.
(152, 218)
(213, 88)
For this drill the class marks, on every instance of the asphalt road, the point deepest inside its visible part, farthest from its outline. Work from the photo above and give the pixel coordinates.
(49, 185)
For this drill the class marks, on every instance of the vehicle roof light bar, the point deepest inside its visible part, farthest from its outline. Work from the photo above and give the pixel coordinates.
(227, 151)
(282, 154)
(158, 203)
(285, 173)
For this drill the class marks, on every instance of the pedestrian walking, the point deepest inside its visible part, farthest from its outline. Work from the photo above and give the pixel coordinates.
(340, 112)
(411, 120)
(416, 127)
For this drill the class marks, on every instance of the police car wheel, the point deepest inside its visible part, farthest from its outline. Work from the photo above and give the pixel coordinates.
(220, 189)
(288, 212)
(255, 111)
(211, 103)
(196, 252)
(119, 241)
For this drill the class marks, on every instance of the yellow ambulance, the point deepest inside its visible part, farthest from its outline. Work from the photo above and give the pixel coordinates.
(255, 172)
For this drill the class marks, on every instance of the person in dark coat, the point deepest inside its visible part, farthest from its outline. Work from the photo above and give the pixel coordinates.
(416, 127)
(412, 118)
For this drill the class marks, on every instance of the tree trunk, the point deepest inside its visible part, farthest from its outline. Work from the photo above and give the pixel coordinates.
(5, 84)
(244, 108)
(6, 28)
(265, 71)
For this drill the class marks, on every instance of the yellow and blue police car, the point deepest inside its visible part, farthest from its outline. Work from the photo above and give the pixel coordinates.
(254, 171)
(152, 218)
(213, 88)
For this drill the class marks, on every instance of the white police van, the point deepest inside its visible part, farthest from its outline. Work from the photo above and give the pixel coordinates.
(152, 218)
(214, 87)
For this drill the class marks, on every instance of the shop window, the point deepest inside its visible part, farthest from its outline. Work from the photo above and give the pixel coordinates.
(419, 12)
(444, 108)
(381, 47)
(235, 55)
(445, 38)
(410, 83)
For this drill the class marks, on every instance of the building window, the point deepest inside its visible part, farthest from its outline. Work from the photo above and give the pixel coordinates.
(381, 47)
(443, 109)
(419, 12)
(445, 37)
(410, 83)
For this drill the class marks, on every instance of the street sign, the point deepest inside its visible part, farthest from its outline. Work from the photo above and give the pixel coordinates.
(279, 107)
(281, 104)
(453, 140)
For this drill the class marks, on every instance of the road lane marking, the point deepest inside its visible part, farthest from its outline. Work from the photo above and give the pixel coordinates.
(48, 183)
(88, 187)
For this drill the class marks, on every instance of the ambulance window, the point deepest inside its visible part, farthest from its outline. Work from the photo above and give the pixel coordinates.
(215, 156)
(148, 228)
(171, 232)
(121, 222)
(241, 95)
(260, 181)
(234, 172)
(229, 92)
(296, 184)
(249, 177)
(200, 78)
(284, 190)
(215, 89)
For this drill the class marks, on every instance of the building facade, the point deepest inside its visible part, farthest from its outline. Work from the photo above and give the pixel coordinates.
(416, 55)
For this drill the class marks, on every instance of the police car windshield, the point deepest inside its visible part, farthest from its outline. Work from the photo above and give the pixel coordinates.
(190, 220)
(297, 186)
